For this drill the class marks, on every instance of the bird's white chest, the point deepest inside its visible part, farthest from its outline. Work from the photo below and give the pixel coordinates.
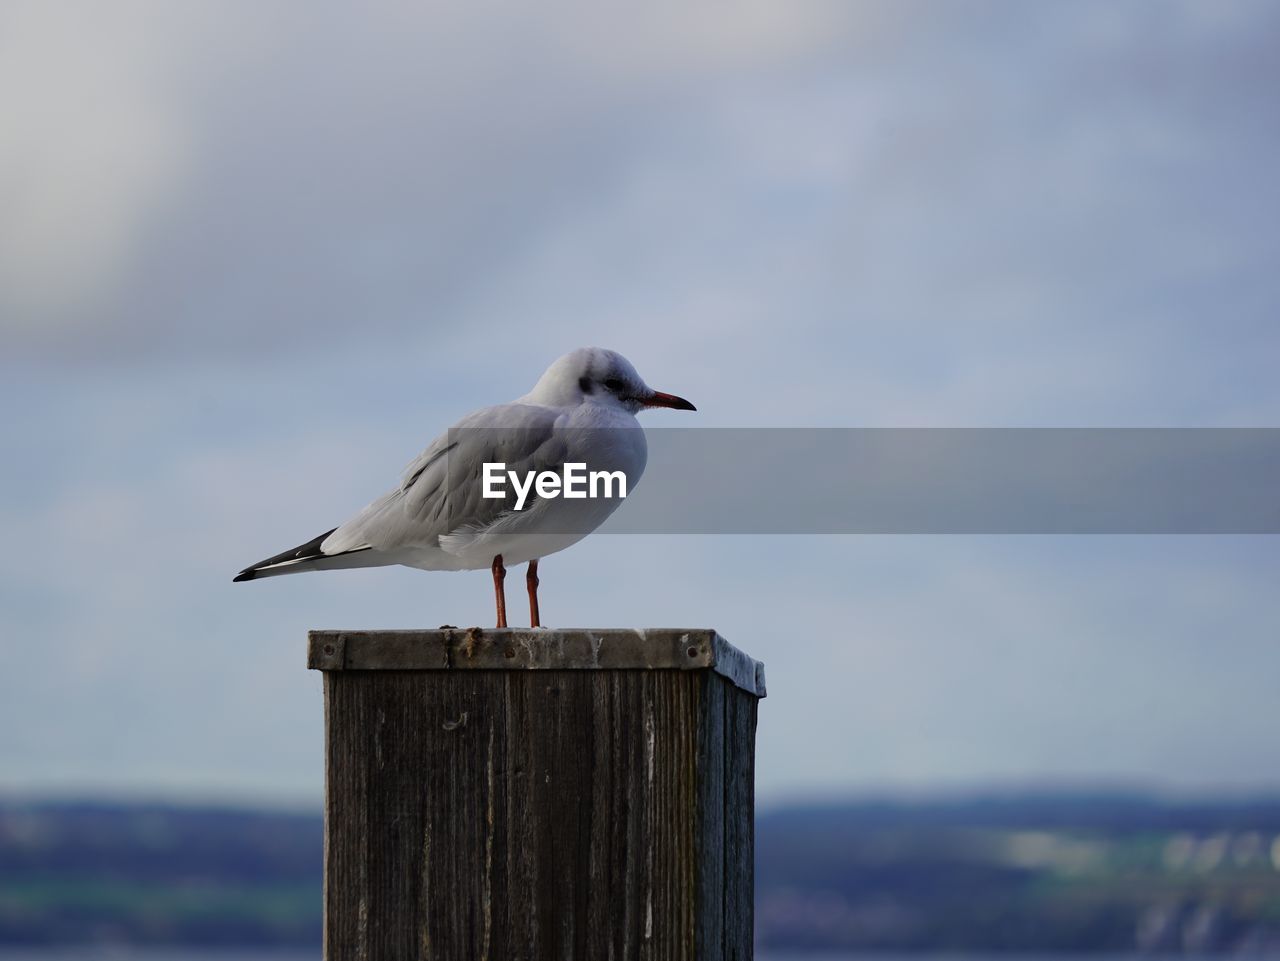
(606, 439)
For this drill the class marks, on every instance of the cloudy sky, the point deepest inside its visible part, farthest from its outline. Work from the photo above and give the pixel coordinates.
(254, 255)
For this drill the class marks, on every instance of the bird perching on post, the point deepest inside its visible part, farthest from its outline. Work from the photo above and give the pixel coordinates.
(454, 511)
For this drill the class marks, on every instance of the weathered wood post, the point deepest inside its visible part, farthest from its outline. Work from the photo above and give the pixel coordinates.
(533, 795)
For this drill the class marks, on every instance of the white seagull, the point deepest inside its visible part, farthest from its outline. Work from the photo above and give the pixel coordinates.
(582, 410)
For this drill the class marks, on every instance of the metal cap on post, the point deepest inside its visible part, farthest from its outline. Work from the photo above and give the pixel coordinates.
(517, 794)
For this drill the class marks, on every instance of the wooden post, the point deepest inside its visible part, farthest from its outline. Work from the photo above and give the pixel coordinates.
(526, 795)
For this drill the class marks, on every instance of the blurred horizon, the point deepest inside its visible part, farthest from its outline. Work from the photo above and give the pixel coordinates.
(993, 793)
(1019, 875)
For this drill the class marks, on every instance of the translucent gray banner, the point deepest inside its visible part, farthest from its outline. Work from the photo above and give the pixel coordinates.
(885, 481)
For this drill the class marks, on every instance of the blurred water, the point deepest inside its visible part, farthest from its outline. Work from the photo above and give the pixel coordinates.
(151, 954)
(181, 954)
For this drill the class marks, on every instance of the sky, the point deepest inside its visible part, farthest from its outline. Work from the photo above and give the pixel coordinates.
(254, 256)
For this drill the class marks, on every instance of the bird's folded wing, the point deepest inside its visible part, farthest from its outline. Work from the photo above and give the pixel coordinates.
(441, 491)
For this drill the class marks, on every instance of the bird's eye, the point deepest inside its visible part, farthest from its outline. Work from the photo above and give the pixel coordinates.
(614, 384)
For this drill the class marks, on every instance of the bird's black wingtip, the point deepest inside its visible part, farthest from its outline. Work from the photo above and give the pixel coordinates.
(244, 576)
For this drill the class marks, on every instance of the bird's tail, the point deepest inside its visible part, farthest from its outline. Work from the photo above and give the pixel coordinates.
(305, 557)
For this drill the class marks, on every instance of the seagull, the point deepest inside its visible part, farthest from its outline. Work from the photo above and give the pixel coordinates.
(582, 410)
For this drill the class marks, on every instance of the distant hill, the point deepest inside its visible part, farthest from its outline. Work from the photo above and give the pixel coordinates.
(158, 874)
(1045, 873)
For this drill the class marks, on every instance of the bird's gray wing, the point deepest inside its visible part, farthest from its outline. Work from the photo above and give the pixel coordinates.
(441, 491)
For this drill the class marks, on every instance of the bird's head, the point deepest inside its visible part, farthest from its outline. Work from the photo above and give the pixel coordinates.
(596, 375)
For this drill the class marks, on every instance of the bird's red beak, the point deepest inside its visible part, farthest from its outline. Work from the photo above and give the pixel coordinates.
(659, 399)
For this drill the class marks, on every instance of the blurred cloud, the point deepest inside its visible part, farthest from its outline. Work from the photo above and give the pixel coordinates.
(254, 256)
(93, 145)
(938, 173)
(225, 175)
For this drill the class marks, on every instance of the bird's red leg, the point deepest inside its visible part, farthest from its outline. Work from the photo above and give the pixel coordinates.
(500, 597)
(531, 582)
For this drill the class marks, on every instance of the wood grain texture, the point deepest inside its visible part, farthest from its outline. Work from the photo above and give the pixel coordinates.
(538, 814)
